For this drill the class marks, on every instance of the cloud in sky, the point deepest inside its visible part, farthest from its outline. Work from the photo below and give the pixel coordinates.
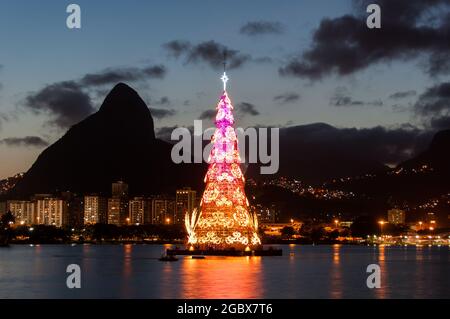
(402, 94)
(344, 100)
(64, 102)
(3, 118)
(246, 108)
(162, 113)
(162, 101)
(286, 98)
(263, 60)
(115, 75)
(433, 106)
(342, 97)
(27, 141)
(345, 45)
(241, 110)
(165, 132)
(176, 48)
(210, 53)
(384, 145)
(440, 123)
(208, 115)
(400, 108)
(69, 102)
(255, 28)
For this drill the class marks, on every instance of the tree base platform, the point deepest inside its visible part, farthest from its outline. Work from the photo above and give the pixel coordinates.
(225, 252)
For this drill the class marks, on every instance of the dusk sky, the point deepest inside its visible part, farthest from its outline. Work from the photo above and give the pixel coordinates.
(52, 77)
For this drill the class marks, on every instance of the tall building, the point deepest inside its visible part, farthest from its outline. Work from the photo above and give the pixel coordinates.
(396, 216)
(119, 189)
(118, 213)
(114, 211)
(95, 209)
(185, 203)
(163, 211)
(75, 210)
(51, 211)
(148, 219)
(23, 211)
(265, 214)
(138, 209)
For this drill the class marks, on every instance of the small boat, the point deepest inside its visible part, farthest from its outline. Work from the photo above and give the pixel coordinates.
(166, 257)
(198, 257)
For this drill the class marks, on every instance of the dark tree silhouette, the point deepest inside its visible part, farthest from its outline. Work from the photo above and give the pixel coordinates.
(5, 232)
(317, 234)
(287, 231)
(334, 234)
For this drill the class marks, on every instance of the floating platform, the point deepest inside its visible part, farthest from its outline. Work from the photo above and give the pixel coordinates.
(225, 252)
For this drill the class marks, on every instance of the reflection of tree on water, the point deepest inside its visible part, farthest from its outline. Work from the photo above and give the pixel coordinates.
(215, 277)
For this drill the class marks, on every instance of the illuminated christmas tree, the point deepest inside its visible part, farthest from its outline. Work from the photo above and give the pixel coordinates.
(224, 220)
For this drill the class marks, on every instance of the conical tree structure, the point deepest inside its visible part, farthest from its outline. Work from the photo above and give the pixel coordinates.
(224, 220)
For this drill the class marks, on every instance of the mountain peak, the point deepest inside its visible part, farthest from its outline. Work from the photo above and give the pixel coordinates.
(123, 97)
(123, 107)
(117, 142)
(437, 155)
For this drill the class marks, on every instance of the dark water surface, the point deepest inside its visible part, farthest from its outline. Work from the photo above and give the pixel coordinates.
(133, 271)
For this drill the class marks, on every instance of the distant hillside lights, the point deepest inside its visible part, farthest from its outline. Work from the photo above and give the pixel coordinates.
(119, 209)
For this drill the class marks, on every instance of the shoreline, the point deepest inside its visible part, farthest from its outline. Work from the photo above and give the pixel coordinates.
(178, 244)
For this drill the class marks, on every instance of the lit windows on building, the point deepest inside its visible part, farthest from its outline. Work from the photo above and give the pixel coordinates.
(23, 211)
(95, 210)
(51, 211)
(137, 210)
(396, 216)
(185, 203)
(114, 205)
(163, 211)
(119, 189)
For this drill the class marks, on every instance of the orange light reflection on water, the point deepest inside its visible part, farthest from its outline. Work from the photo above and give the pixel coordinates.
(127, 266)
(382, 292)
(221, 277)
(336, 274)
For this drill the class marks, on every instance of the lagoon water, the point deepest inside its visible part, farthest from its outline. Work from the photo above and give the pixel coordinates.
(134, 271)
